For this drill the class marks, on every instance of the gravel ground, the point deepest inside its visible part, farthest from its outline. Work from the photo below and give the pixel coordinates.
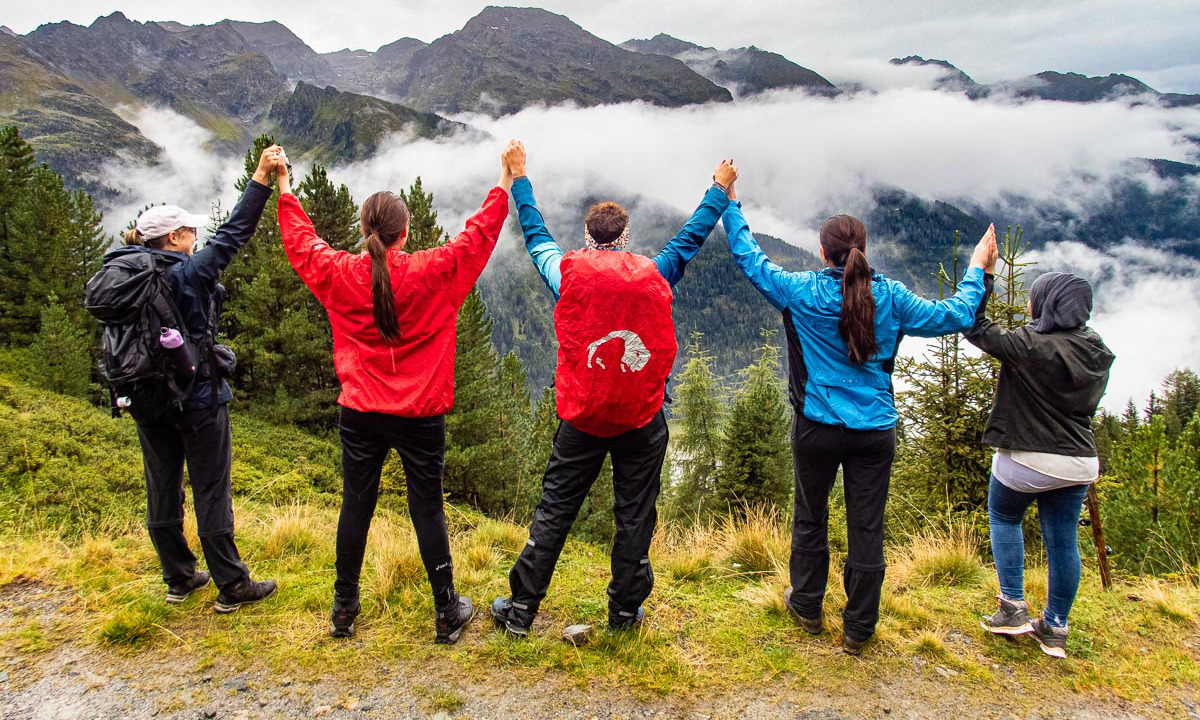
(81, 680)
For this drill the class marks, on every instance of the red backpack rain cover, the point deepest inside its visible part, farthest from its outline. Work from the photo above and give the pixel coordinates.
(616, 341)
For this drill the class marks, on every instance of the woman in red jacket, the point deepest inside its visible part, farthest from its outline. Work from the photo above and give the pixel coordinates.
(393, 316)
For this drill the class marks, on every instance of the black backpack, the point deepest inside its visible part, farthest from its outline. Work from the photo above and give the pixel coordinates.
(131, 297)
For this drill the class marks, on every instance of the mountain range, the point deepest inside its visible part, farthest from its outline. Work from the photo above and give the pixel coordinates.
(72, 89)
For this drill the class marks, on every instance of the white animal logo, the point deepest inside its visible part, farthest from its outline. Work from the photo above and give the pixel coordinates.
(636, 355)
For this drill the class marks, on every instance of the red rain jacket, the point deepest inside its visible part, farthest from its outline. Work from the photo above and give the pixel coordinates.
(616, 341)
(413, 376)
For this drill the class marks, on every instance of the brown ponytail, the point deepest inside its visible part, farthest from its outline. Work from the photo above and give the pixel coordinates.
(132, 237)
(844, 240)
(384, 219)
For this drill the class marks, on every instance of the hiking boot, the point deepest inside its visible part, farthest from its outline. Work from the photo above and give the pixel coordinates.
(625, 621)
(243, 592)
(812, 626)
(502, 613)
(1053, 640)
(341, 618)
(452, 620)
(179, 592)
(853, 647)
(1011, 619)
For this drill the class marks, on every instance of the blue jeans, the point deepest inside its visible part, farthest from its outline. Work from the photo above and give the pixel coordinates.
(1058, 512)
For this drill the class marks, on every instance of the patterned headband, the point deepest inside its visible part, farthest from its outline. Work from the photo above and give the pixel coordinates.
(617, 244)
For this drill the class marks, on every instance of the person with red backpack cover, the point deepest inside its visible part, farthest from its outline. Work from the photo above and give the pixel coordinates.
(616, 347)
(393, 316)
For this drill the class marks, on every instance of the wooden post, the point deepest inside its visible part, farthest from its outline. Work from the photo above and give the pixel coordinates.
(1093, 504)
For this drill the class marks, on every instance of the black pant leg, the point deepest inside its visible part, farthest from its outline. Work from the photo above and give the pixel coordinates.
(816, 455)
(421, 443)
(208, 444)
(363, 453)
(866, 474)
(575, 461)
(162, 459)
(637, 462)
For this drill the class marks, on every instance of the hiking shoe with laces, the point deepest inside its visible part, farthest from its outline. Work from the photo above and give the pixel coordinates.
(812, 626)
(179, 592)
(1012, 618)
(1053, 640)
(341, 618)
(625, 621)
(452, 620)
(502, 614)
(243, 592)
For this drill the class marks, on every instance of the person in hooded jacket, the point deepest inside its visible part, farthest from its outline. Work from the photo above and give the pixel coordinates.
(843, 327)
(1053, 373)
(393, 316)
(616, 348)
(199, 434)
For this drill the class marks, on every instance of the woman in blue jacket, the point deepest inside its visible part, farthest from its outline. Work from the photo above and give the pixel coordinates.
(843, 327)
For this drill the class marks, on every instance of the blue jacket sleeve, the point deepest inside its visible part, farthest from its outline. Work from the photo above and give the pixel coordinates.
(925, 318)
(776, 284)
(543, 250)
(673, 258)
(205, 266)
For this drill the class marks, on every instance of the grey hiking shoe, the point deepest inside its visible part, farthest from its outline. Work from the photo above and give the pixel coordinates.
(624, 620)
(1053, 640)
(1012, 618)
(243, 592)
(503, 615)
(452, 620)
(179, 592)
(812, 626)
(342, 617)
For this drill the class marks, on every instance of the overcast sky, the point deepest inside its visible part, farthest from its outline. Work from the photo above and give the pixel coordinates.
(1159, 41)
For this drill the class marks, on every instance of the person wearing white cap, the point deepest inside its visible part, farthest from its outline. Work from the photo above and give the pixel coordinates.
(198, 433)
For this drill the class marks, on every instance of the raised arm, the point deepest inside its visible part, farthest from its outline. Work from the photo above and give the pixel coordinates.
(674, 257)
(539, 243)
(776, 284)
(463, 259)
(990, 337)
(310, 256)
(206, 265)
(925, 318)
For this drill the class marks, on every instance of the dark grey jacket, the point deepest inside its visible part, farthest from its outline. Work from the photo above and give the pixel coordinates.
(1050, 385)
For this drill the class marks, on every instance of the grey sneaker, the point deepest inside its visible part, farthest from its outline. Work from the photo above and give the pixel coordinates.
(452, 620)
(812, 626)
(505, 618)
(1011, 619)
(1053, 640)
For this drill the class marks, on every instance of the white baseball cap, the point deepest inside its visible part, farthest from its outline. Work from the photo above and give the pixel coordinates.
(162, 219)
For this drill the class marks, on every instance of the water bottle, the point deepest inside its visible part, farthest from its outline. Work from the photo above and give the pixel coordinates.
(180, 354)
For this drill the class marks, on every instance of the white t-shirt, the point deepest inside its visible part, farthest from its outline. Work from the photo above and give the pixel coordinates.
(1026, 471)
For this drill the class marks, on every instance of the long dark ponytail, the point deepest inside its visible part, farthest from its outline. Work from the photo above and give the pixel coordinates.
(844, 240)
(384, 219)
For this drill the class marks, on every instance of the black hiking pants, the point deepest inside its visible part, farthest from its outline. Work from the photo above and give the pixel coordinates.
(575, 462)
(865, 457)
(202, 439)
(367, 437)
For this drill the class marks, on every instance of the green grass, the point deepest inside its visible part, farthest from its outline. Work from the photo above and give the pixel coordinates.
(716, 621)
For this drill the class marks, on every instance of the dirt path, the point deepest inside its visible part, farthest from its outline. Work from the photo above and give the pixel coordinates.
(78, 679)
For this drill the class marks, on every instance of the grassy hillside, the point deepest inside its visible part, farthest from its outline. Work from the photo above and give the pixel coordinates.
(70, 501)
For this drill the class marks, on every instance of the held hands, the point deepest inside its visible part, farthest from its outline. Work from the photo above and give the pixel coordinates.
(986, 252)
(512, 163)
(725, 175)
(266, 163)
(282, 173)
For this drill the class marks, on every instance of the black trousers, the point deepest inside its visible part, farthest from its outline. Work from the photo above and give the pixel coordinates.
(203, 440)
(366, 439)
(865, 457)
(575, 462)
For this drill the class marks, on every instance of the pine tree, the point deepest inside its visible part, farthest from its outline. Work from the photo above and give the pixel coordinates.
(700, 411)
(1180, 400)
(59, 352)
(423, 230)
(755, 463)
(16, 167)
(472, 472)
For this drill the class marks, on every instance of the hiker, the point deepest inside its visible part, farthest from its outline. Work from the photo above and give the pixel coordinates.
(1053, 372)
(393, 316)
(616, 348)
(182, 414)
(843, 326)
